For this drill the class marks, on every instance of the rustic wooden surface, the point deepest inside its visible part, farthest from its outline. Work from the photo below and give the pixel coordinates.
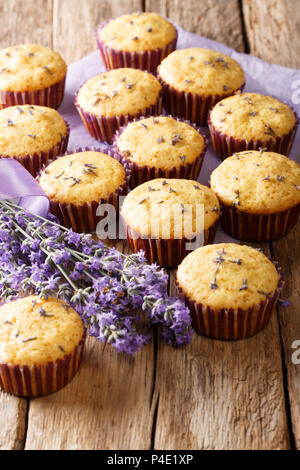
(210, 395)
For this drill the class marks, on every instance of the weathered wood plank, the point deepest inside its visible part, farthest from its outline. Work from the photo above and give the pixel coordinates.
(14, 30)
(222, 395)
(12, 422)
(272, 28)
(25, 22)
(219, 20)
(74, 23)
(107, 406)
(286, 251)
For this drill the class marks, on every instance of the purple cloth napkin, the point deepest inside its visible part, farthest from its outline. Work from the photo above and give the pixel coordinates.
(17, 184)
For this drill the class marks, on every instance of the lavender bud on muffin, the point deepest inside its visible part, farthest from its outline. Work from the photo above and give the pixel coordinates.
(163, 216)
(110, 100)
(251, 121)
(138, 40)
(260, 194)
(195, 79)
(231, 290)
(31, 74)
(32, 135)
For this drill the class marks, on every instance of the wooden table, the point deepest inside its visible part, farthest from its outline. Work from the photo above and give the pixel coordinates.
(212, 394)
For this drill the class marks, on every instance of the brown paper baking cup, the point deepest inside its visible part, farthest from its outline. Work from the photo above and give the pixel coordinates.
(40, 380)
(232, 324)
(103, 128)
(258, 227)
(145, 60)
(141, 174)
(224, 146)
(189, 106)
(36, 161)
(166, 253)
(82, 218)
(51, 96)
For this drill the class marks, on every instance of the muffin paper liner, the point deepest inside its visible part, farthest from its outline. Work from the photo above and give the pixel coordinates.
(255, 227)
(232, 324)
(103, 128)
(51, 96)
(167, 253)
(35, 162)
(144, 60)
(82, 218)
(194, 108)
(141, 174)
(40, 380)
(224, 146)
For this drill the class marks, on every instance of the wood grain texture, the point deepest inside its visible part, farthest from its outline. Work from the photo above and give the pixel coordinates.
(26, 22)
(107, 406)
(222, 395)
(219, 20)
(75, 22)
(286, 251)
(12, 422)
(272, 28)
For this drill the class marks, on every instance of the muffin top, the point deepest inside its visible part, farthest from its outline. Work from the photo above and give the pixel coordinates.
(82, 177)
(160, 142)
(30, 67)
(227, 275)
(29, 129)
(119, 91)
(257, 182)
(148, 208)
(35, 331)
(252, 116)
(201, 71)
(138, 32)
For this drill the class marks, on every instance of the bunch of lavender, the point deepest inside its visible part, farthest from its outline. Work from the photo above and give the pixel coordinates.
(119, 297)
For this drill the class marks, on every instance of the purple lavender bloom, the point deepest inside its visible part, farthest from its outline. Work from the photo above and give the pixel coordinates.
(112, 292)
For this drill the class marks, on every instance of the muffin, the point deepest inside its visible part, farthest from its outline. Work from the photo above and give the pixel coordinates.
(109, 100)
(76, 184)
(259, 193)
(139, 40)
(251, 121)
(41, 346)
(31, 74)
(195, 79)
(32, 135)
(230, 289)
(167, 218)
(161, 147)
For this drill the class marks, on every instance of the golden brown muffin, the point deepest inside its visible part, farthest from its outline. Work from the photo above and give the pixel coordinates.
(231, 290)
(259, 193)
(162, 214)
(82, 177)
(31, 74)
(251, 121)
(41, 343)
(138, 32)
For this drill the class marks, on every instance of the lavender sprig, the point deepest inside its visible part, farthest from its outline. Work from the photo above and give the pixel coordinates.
(116, 295)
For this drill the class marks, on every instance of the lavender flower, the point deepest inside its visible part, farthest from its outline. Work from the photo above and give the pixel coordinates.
(116, 295)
